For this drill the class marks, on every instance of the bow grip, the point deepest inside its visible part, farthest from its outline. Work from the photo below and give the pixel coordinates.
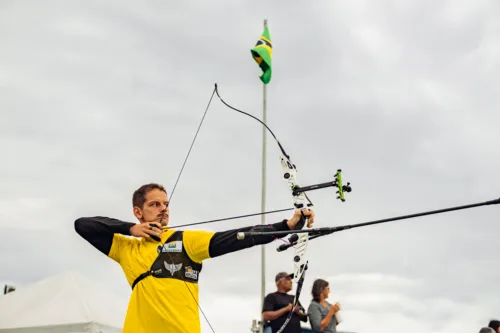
(302, 222)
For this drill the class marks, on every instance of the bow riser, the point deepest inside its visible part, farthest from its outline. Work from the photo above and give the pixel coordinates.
(300, 199)
(300, 263)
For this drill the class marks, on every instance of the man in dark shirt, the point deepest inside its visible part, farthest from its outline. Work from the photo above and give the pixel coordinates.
(277, 306)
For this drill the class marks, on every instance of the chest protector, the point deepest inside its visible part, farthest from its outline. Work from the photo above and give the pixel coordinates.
(173, 262)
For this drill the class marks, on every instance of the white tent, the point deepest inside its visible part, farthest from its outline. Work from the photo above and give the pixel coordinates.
(64, 303)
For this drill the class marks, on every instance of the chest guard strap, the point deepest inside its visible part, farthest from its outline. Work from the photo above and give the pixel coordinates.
(172, 262)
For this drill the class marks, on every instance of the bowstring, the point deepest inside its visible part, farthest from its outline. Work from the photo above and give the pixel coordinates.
(231, 218)
(184, 164)
(170, 200)
(191, 147)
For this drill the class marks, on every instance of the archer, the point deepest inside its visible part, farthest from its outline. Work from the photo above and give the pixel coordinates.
(164, 276)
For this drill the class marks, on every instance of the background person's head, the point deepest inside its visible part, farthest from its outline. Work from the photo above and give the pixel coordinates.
(150, 204)
(320, 290)
(284, 282)
(495, 325)
(486, 330)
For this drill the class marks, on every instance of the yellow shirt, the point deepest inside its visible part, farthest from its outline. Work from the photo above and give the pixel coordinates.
(159, 305)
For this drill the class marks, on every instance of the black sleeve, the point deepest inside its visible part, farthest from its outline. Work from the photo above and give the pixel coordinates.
(224, 242)
(99, 231)
(269, 303)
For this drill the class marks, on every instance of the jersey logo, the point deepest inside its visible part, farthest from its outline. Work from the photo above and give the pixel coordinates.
(175, 246)
(172, 268)
(191, 273)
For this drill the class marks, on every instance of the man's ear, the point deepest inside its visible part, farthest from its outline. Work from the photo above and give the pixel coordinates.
(138, 212)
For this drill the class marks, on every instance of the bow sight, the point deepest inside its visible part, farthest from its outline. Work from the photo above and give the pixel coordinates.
(335, 183)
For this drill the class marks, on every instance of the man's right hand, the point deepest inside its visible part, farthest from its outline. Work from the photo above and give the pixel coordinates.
(287, 308)
(290, 307)
(146, 230)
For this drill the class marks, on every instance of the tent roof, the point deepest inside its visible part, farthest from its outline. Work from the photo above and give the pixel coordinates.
(63, 300)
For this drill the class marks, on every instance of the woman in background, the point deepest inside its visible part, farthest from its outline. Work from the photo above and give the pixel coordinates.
(322, 315)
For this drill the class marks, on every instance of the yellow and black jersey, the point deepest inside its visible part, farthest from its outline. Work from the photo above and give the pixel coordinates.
(163, 276)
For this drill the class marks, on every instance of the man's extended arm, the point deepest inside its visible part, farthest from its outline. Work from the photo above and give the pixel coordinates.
(99, 231)
(224, 242)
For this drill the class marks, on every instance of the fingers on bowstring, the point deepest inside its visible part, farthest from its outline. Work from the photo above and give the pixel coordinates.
(154, 225)
(153, 229)
(153, 233)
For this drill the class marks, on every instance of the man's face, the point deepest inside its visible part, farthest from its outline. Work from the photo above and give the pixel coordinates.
(155, 208)
(285, 283)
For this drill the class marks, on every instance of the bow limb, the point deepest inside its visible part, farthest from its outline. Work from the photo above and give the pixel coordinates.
(300, 201)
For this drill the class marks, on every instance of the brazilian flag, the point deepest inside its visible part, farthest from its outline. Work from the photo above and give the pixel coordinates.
(262, 53)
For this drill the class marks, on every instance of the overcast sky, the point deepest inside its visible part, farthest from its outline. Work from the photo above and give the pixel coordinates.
(98, 98)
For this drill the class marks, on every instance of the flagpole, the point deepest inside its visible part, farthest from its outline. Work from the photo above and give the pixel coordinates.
(263, 197)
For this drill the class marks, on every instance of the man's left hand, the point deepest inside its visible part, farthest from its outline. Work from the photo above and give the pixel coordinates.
(309, 213)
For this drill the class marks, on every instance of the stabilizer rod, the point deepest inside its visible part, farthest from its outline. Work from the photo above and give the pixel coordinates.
(317, 232)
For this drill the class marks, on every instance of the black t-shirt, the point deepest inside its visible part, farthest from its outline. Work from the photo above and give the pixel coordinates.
(275, 301)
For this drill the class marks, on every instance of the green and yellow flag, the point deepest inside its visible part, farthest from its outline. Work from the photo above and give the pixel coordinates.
(262, 53)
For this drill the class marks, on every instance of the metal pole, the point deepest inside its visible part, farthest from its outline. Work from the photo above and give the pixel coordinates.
(254, 328)
(263, 198)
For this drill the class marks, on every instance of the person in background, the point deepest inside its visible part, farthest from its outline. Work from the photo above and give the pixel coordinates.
(321, 313)
(277, 306)
(267, 327)
(486, 330)
(495, 325)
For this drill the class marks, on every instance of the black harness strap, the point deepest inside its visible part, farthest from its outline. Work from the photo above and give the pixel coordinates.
(140, 277)
(150, 272)
(172, 262)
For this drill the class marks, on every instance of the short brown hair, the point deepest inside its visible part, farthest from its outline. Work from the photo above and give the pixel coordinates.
(139, 196)
(317, 289)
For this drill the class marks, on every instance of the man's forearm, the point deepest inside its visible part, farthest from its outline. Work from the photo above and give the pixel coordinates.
(326, 321)
(272, 315)
(225, 242)
(99, 230)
